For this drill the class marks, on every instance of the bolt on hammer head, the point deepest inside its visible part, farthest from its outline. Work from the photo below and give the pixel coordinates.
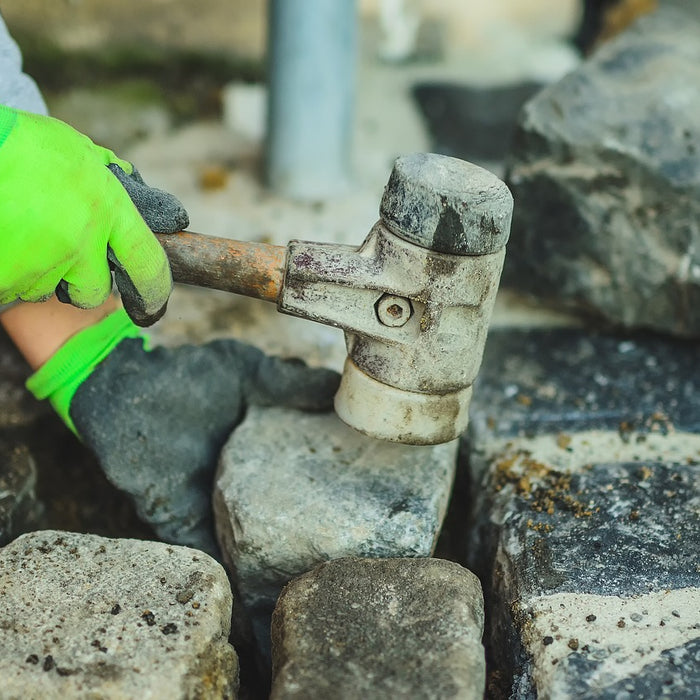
(414, 300)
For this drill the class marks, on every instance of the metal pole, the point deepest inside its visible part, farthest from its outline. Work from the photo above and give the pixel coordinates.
(312, 52)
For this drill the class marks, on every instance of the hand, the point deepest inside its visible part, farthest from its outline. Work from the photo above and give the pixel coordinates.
(158, 419)
(65, 216)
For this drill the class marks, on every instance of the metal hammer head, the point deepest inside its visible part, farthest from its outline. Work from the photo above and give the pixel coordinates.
(414, 300)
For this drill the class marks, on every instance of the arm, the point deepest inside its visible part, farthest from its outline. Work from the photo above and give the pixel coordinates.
(38, 330)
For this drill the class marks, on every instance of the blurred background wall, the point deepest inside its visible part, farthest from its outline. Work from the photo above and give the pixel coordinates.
(238, 26)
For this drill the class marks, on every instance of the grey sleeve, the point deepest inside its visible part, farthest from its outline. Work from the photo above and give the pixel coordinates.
(16, 88)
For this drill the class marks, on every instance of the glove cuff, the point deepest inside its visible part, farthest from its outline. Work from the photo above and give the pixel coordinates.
(60, 377)
(8, 118)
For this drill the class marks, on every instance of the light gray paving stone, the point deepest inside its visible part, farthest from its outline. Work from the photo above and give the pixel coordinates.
(296, 489)
(380, 628)
(605, 172)
(83, 616)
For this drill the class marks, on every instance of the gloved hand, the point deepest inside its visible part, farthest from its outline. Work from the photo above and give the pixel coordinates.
(65, 217)
(158, 419)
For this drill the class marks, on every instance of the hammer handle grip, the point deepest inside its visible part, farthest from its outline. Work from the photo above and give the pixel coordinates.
(252, 269)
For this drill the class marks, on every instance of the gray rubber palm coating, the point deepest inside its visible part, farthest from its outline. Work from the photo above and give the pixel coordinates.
(163, 213)
(158, 420)
(447, 205)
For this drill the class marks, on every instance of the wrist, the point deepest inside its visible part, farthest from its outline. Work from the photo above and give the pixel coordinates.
(39, 329)
(62, 375)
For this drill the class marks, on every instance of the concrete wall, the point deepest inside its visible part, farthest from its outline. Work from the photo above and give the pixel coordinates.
(232, 26)
(237, 27)
(470, 23)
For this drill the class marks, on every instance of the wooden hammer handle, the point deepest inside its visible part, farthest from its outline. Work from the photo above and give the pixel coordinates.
(252, 269)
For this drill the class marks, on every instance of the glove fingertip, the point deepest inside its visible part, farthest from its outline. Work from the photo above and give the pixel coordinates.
(141, 312)
(322, 387)
(306, 388)
(139, 315)
(144, 320)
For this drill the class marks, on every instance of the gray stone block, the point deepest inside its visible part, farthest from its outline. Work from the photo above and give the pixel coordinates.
(19, 508)
(584, 455)
(380, 628)
(593, 566)
(18, 408)
(605, 172)
(83, 616)
(296, 489)
(539, 382)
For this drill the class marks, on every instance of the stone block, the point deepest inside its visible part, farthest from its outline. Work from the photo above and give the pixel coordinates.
(472, 122)
(549, 381)
(83, 616)
(18, 408)
(605, 172)
(380, 628)
(296, 489)
(585, 462)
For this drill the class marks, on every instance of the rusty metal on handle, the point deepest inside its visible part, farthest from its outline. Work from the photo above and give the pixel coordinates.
(252, 269)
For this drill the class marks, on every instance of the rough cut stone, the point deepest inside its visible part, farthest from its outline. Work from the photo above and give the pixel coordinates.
(472, 122)
(19, 508)
(83, 616)
(605, 173)
(19, 416)
(585, 460)
(380, 628)
(539, 382)
(296, 489)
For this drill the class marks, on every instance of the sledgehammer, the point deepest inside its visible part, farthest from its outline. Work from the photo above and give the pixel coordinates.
(414, 300)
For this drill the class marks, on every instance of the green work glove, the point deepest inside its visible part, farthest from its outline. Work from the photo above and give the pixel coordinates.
(65, 219)
(158, 419)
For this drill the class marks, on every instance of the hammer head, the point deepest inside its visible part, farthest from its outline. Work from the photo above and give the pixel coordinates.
(414, 300)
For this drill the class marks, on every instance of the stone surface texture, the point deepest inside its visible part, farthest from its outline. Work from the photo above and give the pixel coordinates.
(294, 490)
(19, 408)
(426, 621)
(558, 398)
(447, 205)
(605, 172)
(19, 508)
(585, 461)
(84, 616)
